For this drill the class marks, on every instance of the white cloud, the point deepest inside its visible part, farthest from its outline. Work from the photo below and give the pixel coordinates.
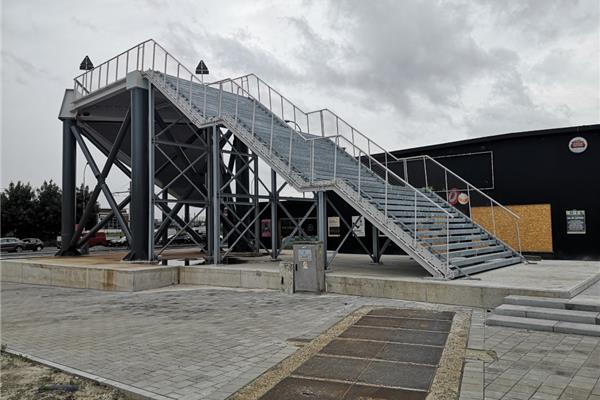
(405, 73)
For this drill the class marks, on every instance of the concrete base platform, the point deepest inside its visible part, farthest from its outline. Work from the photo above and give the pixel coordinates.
(398, 278)
(104, 272)
(548, 278)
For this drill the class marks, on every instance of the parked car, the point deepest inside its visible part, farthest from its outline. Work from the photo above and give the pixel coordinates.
(99, 239)
(34, 244)
(118, 242)
(11, 244)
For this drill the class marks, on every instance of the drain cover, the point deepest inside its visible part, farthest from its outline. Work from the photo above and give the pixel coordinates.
(386, 354)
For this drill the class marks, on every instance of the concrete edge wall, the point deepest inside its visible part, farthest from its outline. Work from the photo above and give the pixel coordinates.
(135, 280)
(431, 291)
(230, 277)
(87, 278)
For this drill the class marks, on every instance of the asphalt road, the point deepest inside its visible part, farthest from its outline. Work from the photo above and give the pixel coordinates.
(50, 251)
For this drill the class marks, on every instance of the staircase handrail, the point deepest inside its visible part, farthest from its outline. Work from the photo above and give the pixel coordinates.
(429, 158)
(232, 81)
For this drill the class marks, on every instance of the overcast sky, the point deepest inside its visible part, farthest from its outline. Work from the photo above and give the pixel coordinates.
(406, 73)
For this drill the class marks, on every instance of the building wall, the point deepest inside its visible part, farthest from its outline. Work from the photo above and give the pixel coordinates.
(538, 168)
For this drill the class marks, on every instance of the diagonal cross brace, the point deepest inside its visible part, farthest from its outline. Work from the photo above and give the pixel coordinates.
(112, 155)
(103, 222)
(103, 185)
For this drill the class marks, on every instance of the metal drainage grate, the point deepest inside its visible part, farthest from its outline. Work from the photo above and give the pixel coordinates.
(386, 354)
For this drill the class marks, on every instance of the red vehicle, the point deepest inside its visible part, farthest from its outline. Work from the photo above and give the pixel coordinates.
(99, 239)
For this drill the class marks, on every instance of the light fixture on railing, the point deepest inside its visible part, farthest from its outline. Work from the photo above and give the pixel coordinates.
(201, 70)
(86, 64)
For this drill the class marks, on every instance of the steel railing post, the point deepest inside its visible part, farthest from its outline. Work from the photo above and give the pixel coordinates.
(519, 237)
(359, 163)
(177, 84)
(153, 55)
(191, 84)
(271, 136)
(220, 98)
(253, 117)
(335, 151)
(164, 72)
(237, 92)
(425, 172)
(493, 217)
(447, 244)
(385, 206)
(312, 162)
(290, 154)
(204, 103)
(446, 184)
(415, 221)
(322, 124)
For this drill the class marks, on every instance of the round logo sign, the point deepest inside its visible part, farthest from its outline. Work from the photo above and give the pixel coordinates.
(453, 196)
(463, 198)
(578, 145)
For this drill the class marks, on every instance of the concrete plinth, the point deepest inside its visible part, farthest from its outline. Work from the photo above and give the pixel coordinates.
(398, 278)
(65, 272)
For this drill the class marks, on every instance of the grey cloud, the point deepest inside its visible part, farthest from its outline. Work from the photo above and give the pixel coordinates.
(545, 21)
(394, 51)
(228, 53)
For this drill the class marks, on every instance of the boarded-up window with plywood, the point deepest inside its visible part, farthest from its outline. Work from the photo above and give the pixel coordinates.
(535, 225)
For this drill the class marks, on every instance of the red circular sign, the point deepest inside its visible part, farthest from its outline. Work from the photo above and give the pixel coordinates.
(453, 196)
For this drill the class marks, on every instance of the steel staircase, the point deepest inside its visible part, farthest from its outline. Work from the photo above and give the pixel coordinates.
(328, 155)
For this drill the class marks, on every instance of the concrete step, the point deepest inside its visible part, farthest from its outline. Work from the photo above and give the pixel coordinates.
(549, 302)
(537, 324)
(582, 317)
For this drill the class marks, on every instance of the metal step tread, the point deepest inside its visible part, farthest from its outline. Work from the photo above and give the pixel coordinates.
(547, 325)
(470, 260)
(487, 266)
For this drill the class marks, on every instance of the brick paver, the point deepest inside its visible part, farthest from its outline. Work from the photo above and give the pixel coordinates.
(209, 342)
(541, 365)
(184, 344)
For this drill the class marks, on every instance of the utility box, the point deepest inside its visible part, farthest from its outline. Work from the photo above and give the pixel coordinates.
(309, 271)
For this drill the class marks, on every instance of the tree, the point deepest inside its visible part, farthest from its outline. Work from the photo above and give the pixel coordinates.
(48, 210)
(18, 210)
(82, 199)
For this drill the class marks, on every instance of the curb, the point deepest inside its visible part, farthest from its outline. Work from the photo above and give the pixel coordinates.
(132, 391)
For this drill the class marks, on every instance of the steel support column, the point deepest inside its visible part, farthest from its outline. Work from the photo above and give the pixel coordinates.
(140, 178)
(69, 175)
(256, 208)
(274, 227)
(216, 205)
(322, 223)
(376, 250)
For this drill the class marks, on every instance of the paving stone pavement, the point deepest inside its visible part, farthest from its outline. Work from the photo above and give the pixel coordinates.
(192, 343)
(541, 365)
(184, 344)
